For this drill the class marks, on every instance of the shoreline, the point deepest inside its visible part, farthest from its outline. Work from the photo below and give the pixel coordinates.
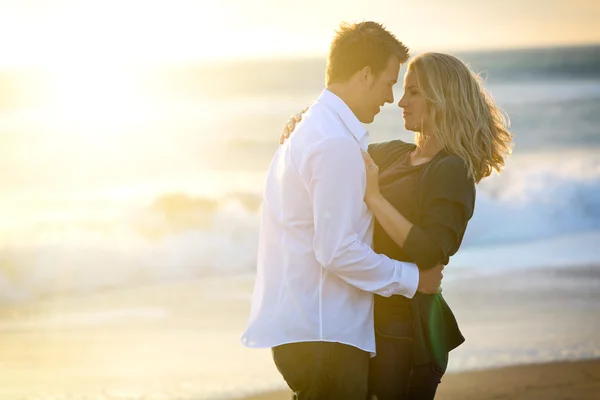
(181, 340)
(549, 381)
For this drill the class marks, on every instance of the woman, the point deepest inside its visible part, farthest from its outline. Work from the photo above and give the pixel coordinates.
(422, 196)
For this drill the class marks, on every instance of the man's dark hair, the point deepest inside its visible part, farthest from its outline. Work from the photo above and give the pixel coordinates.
(356, 46)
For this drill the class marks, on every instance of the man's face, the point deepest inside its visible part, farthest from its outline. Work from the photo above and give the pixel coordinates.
(379, 90)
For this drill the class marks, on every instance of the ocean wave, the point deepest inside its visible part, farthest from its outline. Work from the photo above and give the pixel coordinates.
(537, 197)
(178, 235)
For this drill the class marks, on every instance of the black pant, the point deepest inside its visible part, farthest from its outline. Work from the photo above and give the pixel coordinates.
(323, 370)
(392, 373)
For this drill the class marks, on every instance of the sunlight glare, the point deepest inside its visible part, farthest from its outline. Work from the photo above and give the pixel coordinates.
(104, 94)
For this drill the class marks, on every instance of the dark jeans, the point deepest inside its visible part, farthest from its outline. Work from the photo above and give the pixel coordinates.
(323, 370)
(392, 375)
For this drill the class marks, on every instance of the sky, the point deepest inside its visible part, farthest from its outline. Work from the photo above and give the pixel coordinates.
(59, 32)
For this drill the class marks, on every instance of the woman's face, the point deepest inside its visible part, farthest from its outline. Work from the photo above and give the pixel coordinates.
(413, 104)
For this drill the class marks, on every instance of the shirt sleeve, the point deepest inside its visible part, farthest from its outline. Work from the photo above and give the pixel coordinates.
(375, 149)
(383, 153)
(448, 203)
(336, 181)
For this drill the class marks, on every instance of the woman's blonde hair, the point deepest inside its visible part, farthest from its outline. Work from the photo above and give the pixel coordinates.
(462, 116)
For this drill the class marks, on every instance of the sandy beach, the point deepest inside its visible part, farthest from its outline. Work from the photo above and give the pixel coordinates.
(566, 380)
(181, 340)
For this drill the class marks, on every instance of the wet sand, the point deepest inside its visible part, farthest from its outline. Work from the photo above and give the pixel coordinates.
(181, 340)
(564, 380)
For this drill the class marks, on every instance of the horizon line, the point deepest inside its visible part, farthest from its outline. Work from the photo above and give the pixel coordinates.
(306, 56)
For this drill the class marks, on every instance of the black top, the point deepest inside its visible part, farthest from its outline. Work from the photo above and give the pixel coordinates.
(398, 183)
(438, 197)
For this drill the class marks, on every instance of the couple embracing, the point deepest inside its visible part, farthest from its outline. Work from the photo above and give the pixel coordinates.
(354, 236)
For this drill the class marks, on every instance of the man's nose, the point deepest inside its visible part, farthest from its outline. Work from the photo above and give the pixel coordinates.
(390, 97)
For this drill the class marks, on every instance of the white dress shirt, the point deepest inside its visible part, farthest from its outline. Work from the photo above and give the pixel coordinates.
(316, 270)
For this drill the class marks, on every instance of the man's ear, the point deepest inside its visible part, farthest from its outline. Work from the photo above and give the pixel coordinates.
(366, 74)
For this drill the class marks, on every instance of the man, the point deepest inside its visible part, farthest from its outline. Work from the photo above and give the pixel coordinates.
(313, 297)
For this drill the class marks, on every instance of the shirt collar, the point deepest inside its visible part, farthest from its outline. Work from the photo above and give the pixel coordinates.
(346, 115)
